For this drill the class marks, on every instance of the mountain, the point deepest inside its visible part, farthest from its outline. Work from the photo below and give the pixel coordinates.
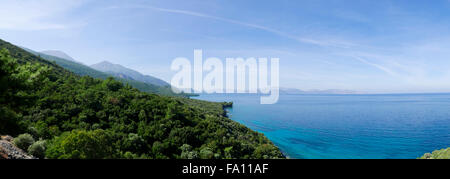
(71, 65)
(59, 54)
(83, 70)
(123, 72)
(62, 115)
(329, 91)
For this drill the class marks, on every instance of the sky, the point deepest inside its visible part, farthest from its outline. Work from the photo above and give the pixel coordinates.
(383, 46)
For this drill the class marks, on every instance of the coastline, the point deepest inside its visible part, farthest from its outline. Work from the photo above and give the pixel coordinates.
(229, 116)
(299, 126)
(226, 106)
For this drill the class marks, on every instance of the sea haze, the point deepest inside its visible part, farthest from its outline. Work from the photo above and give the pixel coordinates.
(397, 126)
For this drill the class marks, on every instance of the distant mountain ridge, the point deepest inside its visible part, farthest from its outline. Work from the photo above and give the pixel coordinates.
(127, 73)
(328, 91)
(60, 54)
(83, 70)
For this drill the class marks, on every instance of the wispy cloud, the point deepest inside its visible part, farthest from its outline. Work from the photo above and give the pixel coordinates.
(35, 14)
(378, 66)
(325, 43)
(409, 71)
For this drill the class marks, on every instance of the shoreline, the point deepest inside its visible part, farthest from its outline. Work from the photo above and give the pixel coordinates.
(343, 148)
(229, 105)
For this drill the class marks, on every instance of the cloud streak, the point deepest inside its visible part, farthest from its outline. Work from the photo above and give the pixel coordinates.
(323, 43)
(380, 67)
(411, 73)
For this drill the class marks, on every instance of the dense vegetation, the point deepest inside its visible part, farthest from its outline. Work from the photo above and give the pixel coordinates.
(438, 154)
(82, 117)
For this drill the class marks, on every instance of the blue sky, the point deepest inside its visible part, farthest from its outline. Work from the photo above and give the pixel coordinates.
(381, 46)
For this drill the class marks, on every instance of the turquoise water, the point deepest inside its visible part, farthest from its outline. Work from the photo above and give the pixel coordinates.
(348, 126)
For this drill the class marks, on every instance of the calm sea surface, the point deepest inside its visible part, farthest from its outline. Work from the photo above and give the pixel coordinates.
(348, 126)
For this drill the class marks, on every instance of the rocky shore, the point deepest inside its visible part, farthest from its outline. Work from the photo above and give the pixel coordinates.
(9, 151)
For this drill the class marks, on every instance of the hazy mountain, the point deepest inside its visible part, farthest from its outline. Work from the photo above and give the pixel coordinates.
(83, 70)
(328, 91)
(123, 72)
(59, 54)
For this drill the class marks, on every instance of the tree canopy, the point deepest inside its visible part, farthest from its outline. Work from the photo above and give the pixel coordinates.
(84, 117)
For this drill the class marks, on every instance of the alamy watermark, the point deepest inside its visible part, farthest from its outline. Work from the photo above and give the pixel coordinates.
(231, 78)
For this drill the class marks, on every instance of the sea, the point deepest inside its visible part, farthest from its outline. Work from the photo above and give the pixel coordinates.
(381, 126)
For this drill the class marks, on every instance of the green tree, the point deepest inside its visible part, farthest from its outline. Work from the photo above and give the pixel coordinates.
(187, 153)
(228, 152)
(16, 81)
(134, 143)
(265, 151)
(80, 144)
(173, 111)
(142, 116)
(206, 153)
(38, 149)
(112, 84)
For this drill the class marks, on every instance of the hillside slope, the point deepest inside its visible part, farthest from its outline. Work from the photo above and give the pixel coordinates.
(58, 54)
(85, 118)
(121, 71)
(84, 70)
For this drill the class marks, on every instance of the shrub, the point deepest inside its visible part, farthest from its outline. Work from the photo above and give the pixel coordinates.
(23, 141)
(187, 153)
(112, 84)
(80, 144)
(186, 148)
(265, 151)
(438, 154)
(129, 155)
(206, 153)
(38, 149)
(134, 142)
(190, 155)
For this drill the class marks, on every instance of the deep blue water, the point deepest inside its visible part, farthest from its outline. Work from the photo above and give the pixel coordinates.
(348, 126)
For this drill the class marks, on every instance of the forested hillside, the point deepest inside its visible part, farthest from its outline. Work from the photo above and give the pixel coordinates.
(68, 116)
(119, 70)
(84, 70)
(59, 54)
